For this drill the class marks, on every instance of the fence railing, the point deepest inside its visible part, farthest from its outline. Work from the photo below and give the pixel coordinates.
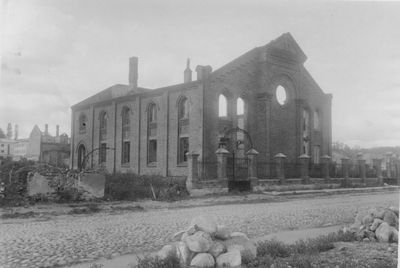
(268, 170)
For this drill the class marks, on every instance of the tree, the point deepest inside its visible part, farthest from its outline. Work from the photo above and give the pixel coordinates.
(9, 131)
(2, 135)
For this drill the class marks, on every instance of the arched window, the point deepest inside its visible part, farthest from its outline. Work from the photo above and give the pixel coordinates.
(82, 123)
(240, 106)
(126, 143)
(183, 108)
(152, 134)
(317, 120)
(183, 130)
(222, 106)
(81, 157)
(306, 132)
(103, 138)
(152, 113)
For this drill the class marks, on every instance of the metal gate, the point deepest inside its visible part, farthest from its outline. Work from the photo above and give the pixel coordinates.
(237, 172)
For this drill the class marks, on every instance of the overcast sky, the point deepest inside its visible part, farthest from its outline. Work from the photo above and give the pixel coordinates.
(56, 53)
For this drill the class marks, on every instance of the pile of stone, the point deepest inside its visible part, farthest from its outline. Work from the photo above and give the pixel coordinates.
(377, 225)
(206, 244)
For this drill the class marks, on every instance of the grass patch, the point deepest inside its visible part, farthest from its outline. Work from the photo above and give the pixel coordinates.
(89, 209)
(128, 208)
(18, 215)
(277, 249)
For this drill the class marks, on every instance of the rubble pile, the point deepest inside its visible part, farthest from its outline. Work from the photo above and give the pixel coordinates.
(206, 244)
(377, 225)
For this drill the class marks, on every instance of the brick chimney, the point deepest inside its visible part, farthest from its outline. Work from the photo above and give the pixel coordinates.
(57, 130)
(187, 74)
(133, 71)
(46, 129)
(203, 72)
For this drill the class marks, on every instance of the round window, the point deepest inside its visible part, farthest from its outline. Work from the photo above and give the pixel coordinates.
(281, 95)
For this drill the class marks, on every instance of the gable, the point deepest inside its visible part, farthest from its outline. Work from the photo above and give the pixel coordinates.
(285, 46)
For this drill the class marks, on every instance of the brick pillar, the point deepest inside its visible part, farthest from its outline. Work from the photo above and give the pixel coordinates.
(397, 164)
(361, 167)
(377, 164)
(252, 170)
(304, 167)
(222, 155)
(326, 161)
(345, 167)
(280, 167)
(388, 165)
(193, 170)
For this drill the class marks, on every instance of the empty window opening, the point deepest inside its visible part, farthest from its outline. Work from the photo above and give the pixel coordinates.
(103, 153)
(222, 106)
(126, 144)
(240, 106)
(183, 149)
(317, 121)
(183, 111)
(281, 95)
(152, 151)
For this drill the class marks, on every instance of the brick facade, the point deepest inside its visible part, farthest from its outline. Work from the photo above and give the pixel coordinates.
(254, 77)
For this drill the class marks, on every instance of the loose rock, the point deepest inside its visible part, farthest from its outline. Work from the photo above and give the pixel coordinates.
(239, 234)
(384, 232)
(203, 260)
(375, 224)
(166, 252)
(391, 218)
(217, 249)
(223, 232)
(230, 259)
(183, 253)
(199, 242)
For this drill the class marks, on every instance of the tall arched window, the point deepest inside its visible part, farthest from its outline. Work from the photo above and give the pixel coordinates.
(317, 120)
(81, 157)
(222, 106)
(126, 143)
(82, 123)
(240, 106)
(152, 133)
(183, 130)
(103, 137)
(183, 108)
(306, 132)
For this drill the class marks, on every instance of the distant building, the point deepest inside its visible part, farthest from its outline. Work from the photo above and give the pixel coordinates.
(5, 147)
(266, 93)
(19, 149)
(43, 147)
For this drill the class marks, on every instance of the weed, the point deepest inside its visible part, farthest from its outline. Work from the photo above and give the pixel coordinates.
(155, 262)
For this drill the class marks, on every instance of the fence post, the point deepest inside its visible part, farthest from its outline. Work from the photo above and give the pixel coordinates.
(222, 155)
(361, 167)
(304, 167)
(280, 167)
(193, 175)
(326, 160)
(252, 170)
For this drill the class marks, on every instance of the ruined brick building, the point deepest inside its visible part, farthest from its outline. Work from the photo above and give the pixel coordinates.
(266, 94)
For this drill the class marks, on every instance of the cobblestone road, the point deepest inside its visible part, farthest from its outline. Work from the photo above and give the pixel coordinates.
(72, 239)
